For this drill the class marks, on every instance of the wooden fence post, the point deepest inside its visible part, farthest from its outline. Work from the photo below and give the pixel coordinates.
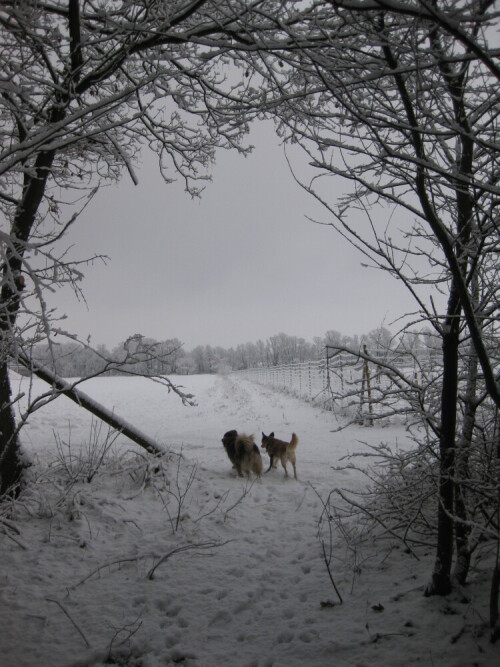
(366, 382)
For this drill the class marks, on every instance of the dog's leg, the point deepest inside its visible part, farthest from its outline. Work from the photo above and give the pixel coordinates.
(270, 463)
(283, 463)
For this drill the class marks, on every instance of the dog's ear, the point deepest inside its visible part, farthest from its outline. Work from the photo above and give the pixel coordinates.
(271, 435)
(264, 435)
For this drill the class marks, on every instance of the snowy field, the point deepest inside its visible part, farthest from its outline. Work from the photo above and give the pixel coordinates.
(177, 561)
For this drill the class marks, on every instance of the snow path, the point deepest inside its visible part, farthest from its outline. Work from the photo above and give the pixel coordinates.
(254, 600)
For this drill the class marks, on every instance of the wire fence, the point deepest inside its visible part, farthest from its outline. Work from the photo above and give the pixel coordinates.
(306, 380)
(348, 383)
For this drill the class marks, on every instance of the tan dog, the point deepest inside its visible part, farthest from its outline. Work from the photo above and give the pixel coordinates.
(243, 453)
(279, 449)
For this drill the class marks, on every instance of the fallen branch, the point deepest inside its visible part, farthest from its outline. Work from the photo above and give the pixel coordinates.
(92, 406)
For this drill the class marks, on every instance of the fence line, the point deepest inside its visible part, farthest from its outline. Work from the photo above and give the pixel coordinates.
(306, 380)
(341, 382)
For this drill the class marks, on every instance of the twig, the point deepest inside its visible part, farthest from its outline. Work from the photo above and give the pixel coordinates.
(329, 572)
(383, 635)
(129, 629)
(214, 509)
(10, 525)
(186, 547)
(179, 494)
(377, 519)
(118, 561)
(246, 491)
(5, 531)
(454, 639)
(7, 528)
(65, 611)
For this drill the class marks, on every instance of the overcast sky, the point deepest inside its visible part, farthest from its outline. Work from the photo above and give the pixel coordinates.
(241, 264)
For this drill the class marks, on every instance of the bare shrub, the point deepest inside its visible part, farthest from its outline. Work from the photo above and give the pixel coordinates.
(84, 461)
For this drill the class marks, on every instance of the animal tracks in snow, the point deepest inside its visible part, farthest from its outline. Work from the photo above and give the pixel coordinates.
(252, 598)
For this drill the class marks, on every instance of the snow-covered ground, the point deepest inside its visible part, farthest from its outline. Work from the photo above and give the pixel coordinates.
(237, 573)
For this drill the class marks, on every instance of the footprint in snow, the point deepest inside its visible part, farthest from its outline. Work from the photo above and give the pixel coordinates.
(242, 606)
(236, 572)
(173, 611)
(160, 604)
(221, 618)
(171, 641)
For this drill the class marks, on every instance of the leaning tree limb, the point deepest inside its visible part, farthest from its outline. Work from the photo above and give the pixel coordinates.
(88, 403)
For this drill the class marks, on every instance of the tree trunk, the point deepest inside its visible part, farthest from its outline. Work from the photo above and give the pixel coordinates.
(10, 460)
(440, 583)
(494, 616)
(35, 182)
(495, 579)
(462, 527)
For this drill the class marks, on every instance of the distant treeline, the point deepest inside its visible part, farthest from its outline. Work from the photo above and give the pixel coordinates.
(142, 355)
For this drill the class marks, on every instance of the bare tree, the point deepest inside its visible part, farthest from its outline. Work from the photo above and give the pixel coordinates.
(83, 86)
(400, 102)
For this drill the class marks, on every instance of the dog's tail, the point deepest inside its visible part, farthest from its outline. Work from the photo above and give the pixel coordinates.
(293, 442)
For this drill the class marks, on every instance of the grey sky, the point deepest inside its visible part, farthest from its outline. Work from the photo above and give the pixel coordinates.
(240, 264)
